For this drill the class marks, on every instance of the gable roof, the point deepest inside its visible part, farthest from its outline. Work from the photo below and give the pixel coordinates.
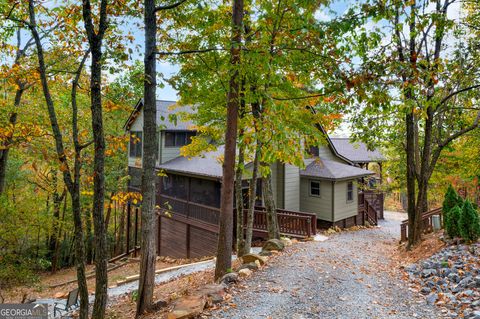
(332, 170)
(206, 164)
(164, 109)
(356, 152)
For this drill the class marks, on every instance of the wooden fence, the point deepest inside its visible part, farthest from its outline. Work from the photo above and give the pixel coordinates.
(427, 223)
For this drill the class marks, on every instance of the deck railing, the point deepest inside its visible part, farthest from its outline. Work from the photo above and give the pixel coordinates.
(291, 223)
(368, 207)
(187, 209)
(427, 223)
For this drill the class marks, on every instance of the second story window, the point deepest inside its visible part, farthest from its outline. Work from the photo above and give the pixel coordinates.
(178, 139)
(136, 144)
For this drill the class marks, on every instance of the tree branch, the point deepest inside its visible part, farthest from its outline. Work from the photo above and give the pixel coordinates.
(445, 99)
(169, 6)
(190, 51)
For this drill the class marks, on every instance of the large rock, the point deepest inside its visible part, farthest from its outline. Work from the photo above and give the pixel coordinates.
(250, 266)
(188, 307)
(230, 278)
(244, 273)
(214, 292)
(273, 244)
(251, 258)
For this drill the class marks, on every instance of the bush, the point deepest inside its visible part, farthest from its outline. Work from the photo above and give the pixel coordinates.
(15, 271)
(469, 223)
(451, 200)
(452, 219)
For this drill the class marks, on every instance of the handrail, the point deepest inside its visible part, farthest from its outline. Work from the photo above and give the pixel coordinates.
(426, 222)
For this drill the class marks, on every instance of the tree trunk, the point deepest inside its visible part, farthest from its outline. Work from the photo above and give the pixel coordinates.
(95, 39)
(272, 222)
(252, 196)
(121, 231)
(4, 153)
(148, 253)
(88, 237)
(239, 200)
(72, 185)
(413, 219)
(224, 249)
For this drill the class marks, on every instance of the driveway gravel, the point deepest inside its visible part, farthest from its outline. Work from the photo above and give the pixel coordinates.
(350, 275)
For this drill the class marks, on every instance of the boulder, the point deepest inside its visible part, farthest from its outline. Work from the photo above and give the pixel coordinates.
(213, 292)
(188, 307)
(265, 253)
(251, 258)
(273, 244)
(287, 241)
(244, 273)
(250, 266)
(230, 278)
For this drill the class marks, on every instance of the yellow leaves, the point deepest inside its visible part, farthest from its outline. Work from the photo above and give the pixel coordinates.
(124, 197)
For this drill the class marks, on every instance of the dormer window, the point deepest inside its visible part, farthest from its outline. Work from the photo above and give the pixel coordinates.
(136, 144)
(178, 139)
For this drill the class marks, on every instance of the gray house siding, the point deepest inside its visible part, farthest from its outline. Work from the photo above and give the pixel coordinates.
(320, 205)
(343, 208)
(292, 187)
(280, 185)
(325, 152)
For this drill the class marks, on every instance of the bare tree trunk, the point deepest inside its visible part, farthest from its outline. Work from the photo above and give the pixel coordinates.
(148, 254)
(224, 249)
(272, 222)
(239, 199)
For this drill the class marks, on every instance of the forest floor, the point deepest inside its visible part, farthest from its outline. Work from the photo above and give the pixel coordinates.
(43, 288)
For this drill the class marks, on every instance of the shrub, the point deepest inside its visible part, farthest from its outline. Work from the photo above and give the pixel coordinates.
(15, 270)
(452, 220)
(469, 222)
(451, 200)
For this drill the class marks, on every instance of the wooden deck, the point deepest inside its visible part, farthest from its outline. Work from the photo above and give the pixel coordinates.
(427, 223)
(189, 230)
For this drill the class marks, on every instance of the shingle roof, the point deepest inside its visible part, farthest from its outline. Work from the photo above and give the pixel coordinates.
(207, 164)
(164, 109)
(356, 152)
(331, 170)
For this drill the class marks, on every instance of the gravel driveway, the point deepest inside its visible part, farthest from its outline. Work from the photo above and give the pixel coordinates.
(347, 276)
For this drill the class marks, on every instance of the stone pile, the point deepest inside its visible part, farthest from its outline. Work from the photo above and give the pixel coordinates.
(451, 280)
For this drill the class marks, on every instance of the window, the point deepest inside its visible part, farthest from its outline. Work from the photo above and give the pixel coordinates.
(178, 139)
(136, 144)
(314, 188)
(350, 192)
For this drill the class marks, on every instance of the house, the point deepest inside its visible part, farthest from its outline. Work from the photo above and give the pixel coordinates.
(327, 187)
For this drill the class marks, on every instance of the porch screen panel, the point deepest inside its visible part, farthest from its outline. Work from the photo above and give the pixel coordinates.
(205, 192)
(175, 186)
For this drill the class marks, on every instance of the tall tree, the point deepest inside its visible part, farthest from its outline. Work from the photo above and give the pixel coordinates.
(413, 84)
(149, 159)
(148, 256)
(95, 39)
(224, 249)
(72, 183)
